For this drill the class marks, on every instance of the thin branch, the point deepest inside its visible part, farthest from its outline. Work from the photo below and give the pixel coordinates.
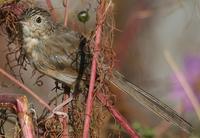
(65, 4)
(26, 89)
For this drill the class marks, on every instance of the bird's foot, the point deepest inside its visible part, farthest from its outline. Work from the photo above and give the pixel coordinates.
(58, 86)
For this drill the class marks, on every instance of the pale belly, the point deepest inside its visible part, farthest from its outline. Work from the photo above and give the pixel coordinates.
(30, 45)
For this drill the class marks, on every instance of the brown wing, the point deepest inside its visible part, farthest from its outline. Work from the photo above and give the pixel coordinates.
(62, 48)
(59, 55)
(149, 101)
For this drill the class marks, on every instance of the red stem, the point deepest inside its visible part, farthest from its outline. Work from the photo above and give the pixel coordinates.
(26, 89)
(93, 73)
(120, 119)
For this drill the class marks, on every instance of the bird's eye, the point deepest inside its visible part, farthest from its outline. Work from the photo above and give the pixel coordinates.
(38, 20)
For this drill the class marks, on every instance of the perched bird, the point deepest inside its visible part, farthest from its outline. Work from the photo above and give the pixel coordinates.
(51, 49)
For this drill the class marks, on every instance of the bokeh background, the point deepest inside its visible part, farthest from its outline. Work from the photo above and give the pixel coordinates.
(144, 30)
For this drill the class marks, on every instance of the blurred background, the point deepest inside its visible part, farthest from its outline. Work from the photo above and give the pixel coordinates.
(144, 30)
(151, 27)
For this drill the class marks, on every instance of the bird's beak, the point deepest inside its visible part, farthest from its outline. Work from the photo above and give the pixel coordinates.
(24, 23)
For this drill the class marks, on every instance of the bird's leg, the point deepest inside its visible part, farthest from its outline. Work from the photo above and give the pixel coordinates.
(57, 87)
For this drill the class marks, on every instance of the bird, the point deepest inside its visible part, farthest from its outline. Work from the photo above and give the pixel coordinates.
(50, 48)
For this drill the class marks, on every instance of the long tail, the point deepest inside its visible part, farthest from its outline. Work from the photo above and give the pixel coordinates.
(118, 81)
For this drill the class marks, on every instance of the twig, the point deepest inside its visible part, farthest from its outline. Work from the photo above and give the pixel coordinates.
(93, 70)
(120, 119)
(26, 89)
(56, 110)
(181, 78)
(51, 9)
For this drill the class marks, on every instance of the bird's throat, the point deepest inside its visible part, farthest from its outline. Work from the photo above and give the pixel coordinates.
(30, 43)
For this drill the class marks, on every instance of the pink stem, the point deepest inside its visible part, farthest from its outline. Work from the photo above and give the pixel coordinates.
(26, 89)
(93, 74)
(66, 12)
(24, 118)
(20, 105)
(51, 9)
(120, 119)
(89, 100)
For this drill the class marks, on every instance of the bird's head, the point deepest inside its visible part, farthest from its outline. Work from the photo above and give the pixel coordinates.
(36, 22)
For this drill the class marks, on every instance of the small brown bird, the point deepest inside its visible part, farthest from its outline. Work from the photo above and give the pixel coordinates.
(51, 49)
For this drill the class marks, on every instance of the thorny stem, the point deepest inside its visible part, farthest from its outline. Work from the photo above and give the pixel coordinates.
(120, 119)
(93, 70)
(25, 88)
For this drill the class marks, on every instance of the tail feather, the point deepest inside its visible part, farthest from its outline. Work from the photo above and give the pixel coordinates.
(149, 101)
